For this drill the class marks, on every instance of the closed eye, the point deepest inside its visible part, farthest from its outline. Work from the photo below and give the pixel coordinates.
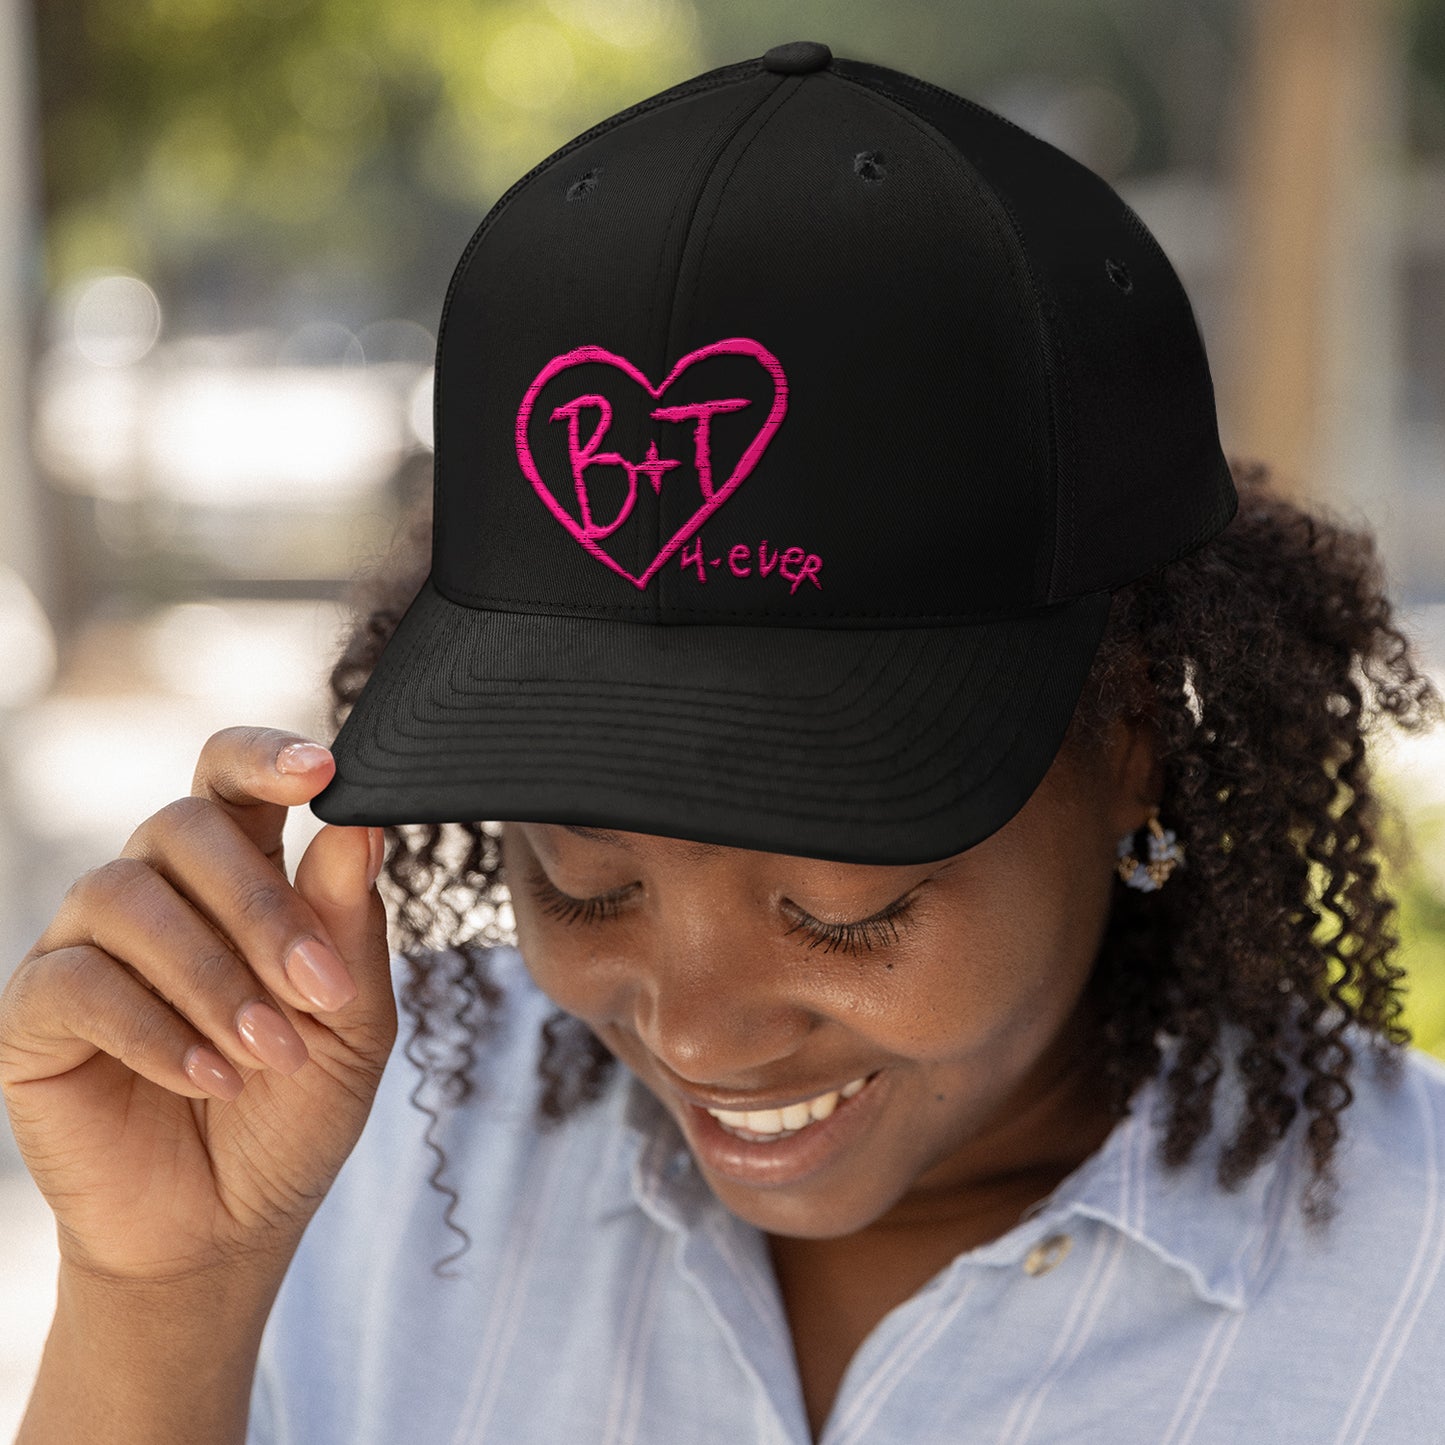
(877, 931)
(581, 911)
(880, 930)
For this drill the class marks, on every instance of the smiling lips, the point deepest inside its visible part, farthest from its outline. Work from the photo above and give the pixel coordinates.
(767, 1125)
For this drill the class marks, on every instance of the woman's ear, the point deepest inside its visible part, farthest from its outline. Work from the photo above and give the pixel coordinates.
(1145, 765)
(1135, 772)
(1140, 780)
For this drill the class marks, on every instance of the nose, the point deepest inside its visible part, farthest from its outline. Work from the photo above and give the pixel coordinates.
(712, 1024)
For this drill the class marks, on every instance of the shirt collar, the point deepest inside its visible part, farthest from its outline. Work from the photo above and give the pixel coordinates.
(1220, 1240)
(645, 1157)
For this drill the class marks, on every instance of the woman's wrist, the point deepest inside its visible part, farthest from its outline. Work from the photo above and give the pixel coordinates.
(151, 1361)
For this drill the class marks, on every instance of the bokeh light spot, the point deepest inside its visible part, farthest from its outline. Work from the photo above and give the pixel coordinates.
(629, 24)
(115, 320)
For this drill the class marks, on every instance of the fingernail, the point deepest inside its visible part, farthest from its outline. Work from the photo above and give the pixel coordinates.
(207, 1070)
(318, 975)
(271, 1038)
(301, 757)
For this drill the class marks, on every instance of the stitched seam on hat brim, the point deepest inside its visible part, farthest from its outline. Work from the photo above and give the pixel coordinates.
(733, 789)
(875, 696)
(885, 734)
(734, 782)
(734, 785)
(575, 750)
(870, 689)
(426, 624)
(575, 757)
(878, 637)
(885, 638)
(767, 703)
(742, 733)
(877, 656)
(420, 637)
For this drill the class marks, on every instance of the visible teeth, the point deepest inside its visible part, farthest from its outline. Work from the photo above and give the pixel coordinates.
(778, 1122)
(820, 1108)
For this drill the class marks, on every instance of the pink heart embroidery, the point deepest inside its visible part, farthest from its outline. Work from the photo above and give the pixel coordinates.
(587, 532)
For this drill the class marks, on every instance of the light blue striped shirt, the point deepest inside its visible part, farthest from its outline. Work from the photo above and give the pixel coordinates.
(608, 1297)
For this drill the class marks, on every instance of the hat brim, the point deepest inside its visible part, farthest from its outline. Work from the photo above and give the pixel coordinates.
(885, 746)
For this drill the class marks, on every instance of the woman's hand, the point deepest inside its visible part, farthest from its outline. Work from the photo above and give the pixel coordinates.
(161, 1160)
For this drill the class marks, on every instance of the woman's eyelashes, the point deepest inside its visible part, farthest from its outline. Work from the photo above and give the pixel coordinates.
(878, 931)
(583, 911)
(862, 937)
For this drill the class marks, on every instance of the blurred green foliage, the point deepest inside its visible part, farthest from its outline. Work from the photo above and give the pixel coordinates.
(226, 149)
(1418, 882)
(220, 147)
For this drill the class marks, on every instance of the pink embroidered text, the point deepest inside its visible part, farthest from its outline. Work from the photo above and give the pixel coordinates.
(584, 454)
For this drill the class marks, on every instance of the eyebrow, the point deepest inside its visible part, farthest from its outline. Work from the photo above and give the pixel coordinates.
(605, 835)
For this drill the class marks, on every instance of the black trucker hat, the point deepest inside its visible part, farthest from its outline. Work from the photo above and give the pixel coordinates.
(792, 429)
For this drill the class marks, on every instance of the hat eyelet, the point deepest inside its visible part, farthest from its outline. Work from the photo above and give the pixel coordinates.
(585, 184)
(1119, 274)
(869, 166)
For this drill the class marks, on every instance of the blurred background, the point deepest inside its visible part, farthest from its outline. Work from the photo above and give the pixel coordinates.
(226, 228)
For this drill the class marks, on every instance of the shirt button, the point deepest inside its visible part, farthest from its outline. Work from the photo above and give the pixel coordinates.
(1047, 1253)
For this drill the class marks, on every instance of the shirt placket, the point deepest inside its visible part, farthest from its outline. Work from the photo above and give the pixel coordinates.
(725, 1263)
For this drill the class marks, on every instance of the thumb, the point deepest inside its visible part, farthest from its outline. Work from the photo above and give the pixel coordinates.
(334, 877)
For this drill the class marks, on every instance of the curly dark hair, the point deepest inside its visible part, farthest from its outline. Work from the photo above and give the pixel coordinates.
(1263, 659)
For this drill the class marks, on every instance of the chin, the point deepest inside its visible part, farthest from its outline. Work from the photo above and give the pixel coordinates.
(819, 1213)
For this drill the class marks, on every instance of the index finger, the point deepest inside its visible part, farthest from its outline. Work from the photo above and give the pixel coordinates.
(255, 774)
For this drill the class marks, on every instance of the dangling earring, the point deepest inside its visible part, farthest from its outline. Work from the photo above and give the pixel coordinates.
(1164, 853)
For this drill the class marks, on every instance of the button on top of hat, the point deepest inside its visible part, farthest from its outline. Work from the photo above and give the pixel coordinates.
(797, 57)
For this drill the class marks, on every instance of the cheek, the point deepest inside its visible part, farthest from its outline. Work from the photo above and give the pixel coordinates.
(961, 1012)
(549, 955)
(566, 964)
(552, 954)
(530, 925)
(990, 981)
